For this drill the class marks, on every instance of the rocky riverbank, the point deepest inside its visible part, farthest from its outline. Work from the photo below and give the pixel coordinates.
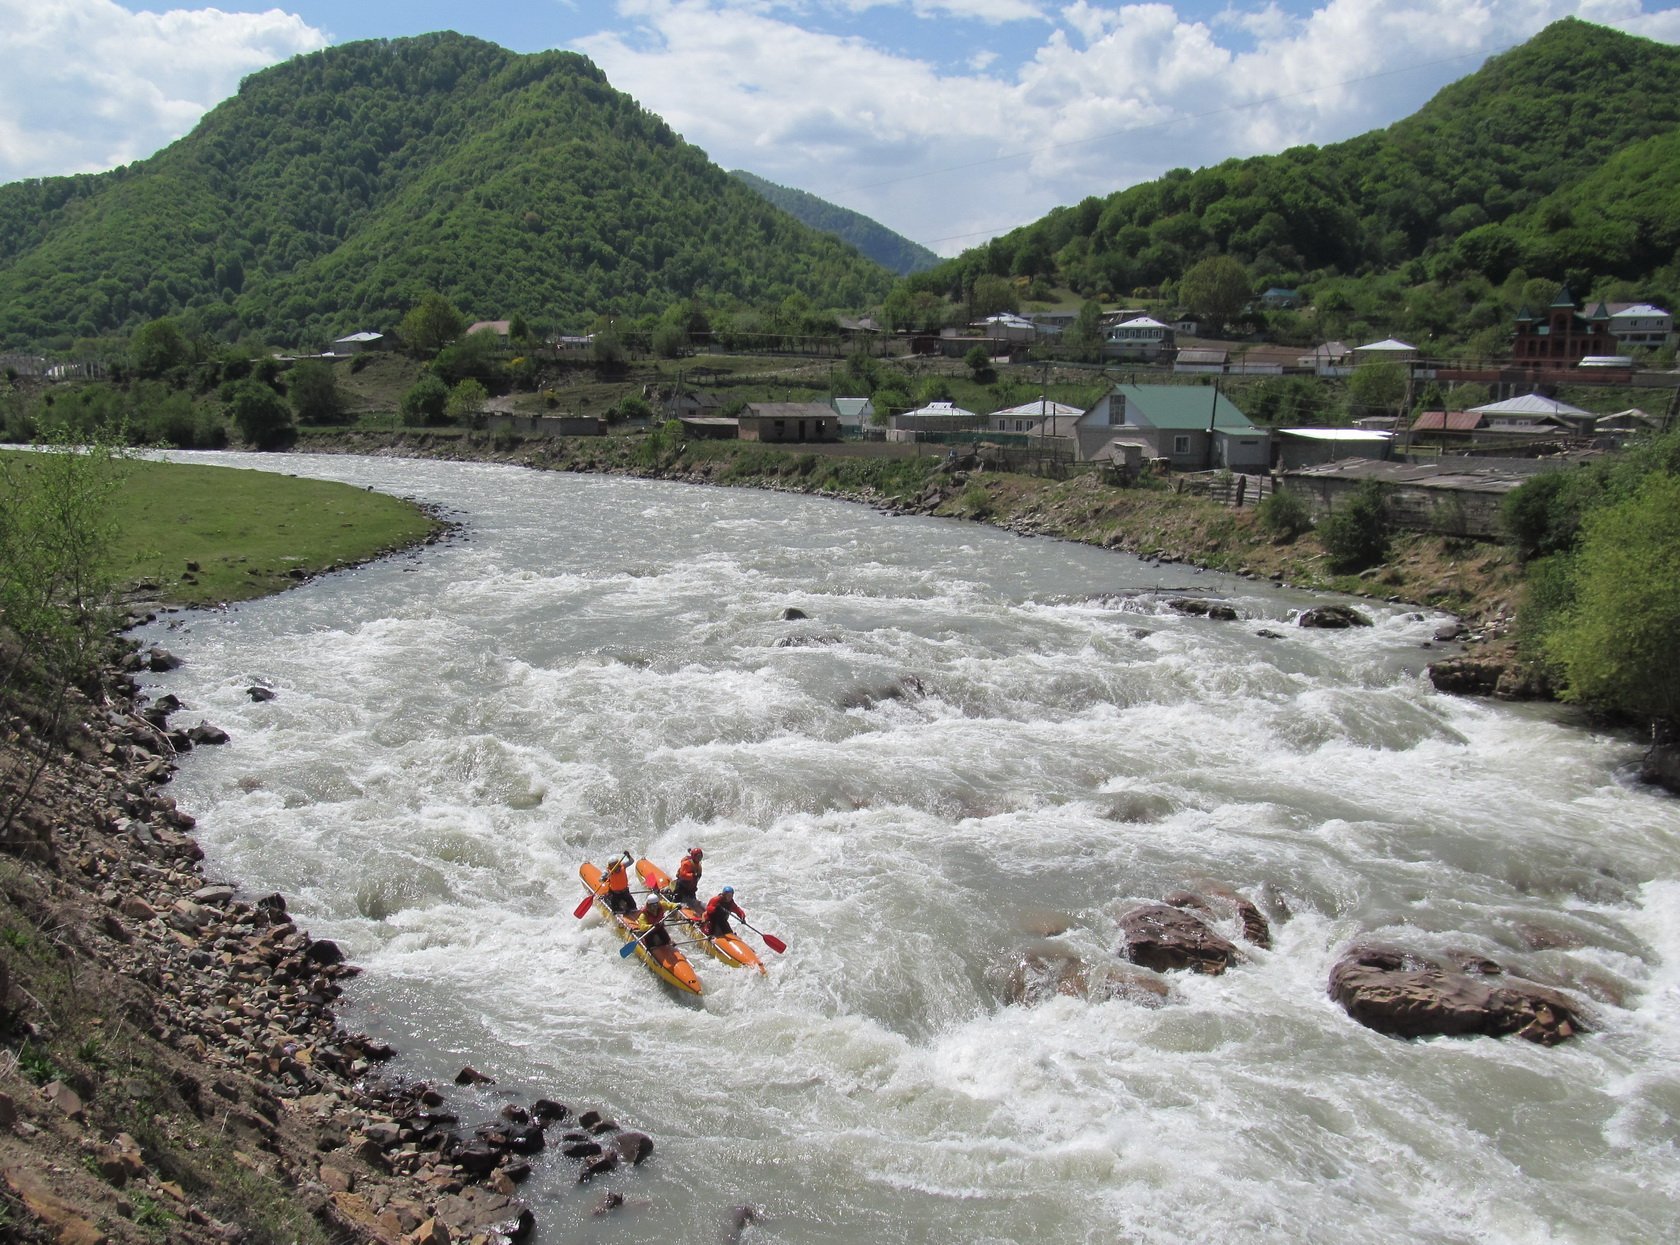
(171, 1065)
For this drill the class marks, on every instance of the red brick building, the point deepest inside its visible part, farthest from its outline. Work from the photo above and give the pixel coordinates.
(1563, 336)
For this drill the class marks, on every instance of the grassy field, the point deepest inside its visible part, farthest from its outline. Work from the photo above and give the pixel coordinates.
(248, 532)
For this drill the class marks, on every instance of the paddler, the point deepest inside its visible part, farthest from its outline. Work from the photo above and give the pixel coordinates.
(715, 922)
(686, 889)
(652, 919)
(617, 880)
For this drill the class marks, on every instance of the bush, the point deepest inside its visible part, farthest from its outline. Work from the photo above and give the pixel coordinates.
(424, 402)
(1614, 641)
(263, 419)
(1543, 517)
(1356, 535)
(1284, 516)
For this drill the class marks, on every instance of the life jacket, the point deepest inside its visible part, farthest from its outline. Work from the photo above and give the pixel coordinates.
(689, 871)
(718, 908)
(618, 879)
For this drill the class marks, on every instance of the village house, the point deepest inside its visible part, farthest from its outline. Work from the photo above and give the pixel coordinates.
(499, 327)
(855, 413)
(1563, 336)
(1142, 337)
(1040, 417)
(692, 404)
(357, 343)
(1205, 360)
(1279, 299)
(1191, 427)
(935, 417)
(1640, 326)
(1294, 448)
(785, 422)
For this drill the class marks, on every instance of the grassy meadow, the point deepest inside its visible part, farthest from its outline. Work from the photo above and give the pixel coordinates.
(248, 533)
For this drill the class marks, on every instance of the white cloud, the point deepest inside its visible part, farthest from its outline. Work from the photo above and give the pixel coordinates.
(89, 85)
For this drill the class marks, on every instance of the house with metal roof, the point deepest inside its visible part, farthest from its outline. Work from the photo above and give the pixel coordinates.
(356, 343)
(854, 413)
(1192, 427)
(1534, 408)
(1040, 417)
(1640, 325)
(1563, 336)
(1141, 337)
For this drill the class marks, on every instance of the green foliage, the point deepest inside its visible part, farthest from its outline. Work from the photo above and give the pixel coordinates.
(979, 362)
(159, 347)
(335, 188)
(1554, 157)
(465, 399)
(1216, 288)
(57, 588)
(1376, 388)
(1284, 516)
(1615, 641)
(431, 324)
(634, 406)
(263, 419)
(313, 388)
(425, 402)
(477, 356)
(875, 241)
(1355, 534)
(37, 1065)
(1543, 516)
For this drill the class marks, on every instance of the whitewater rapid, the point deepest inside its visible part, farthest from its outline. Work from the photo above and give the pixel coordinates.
(970, 739)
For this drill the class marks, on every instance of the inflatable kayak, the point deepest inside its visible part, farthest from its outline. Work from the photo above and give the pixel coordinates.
(666, 963)
(728, 948)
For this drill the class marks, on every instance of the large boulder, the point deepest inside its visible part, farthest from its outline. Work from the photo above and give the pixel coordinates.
(1220, 902)
(1407, 994)
(1165, 938)
(1332, 617)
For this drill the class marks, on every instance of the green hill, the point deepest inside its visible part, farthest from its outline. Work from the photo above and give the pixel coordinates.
(874, 240)
(334, 188)
(1491, 176)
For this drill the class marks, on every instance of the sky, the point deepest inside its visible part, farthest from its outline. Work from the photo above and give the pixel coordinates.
(950, 121)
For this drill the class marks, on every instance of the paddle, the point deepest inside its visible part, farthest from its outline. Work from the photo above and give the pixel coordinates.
(625, 951)
(588, 899)
(770, 940)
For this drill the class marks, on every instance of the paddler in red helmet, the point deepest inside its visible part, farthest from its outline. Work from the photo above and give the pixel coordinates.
(617, 879)
(686, 889)
(715, 922)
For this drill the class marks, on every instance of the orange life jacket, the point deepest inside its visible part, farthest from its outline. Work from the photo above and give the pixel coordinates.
(688, 870)
(617, 879)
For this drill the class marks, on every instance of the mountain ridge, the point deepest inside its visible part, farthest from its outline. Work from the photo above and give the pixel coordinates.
(893, 251)
(334, 188)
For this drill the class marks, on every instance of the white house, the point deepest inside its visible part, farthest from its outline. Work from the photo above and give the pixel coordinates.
(1142, 337)
(854, 412)
(1007, 326)
(1640, 325)
(355, 343)
(1040, 416)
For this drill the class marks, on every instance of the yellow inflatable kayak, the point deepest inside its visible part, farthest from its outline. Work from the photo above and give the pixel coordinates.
(728, 948)
(666, 963)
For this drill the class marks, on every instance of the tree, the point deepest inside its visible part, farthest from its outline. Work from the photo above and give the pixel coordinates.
(1615, 643)
(424, 402)
(465, 400)
(979, 361)
(1377, 388)
(1216, 289)
(159, 346)
(992, 294)
(261, 417)
(1085, 333)
(431, 324)
(313, 388)
(1355, 534)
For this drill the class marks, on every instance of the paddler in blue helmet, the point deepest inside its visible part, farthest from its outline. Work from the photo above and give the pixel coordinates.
(715, 922)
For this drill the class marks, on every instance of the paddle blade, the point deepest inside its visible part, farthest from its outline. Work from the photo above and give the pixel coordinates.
(774, 943)
(626, 949)
(584, 906)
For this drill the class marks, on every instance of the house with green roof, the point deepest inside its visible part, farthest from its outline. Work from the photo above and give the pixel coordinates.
(1193, 427)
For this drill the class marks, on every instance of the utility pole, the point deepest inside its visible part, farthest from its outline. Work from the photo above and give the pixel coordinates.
(1213, 415)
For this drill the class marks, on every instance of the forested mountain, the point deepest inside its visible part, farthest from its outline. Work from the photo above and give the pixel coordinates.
(891, 250)
(1549, 160)
(333, 189)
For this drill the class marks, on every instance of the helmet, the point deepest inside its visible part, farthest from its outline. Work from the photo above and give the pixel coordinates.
(729, 890)
(696, 852)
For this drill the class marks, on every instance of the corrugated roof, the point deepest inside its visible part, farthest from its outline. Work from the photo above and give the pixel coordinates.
(1529, 404)
(1447, 421)
(1181, 407)
(1038, 408)
(1338, 434)
(1387, 344)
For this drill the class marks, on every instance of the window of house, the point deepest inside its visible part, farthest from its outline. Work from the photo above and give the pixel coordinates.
(1181, 444)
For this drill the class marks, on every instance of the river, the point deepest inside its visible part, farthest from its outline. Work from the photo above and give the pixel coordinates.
(972, 738)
